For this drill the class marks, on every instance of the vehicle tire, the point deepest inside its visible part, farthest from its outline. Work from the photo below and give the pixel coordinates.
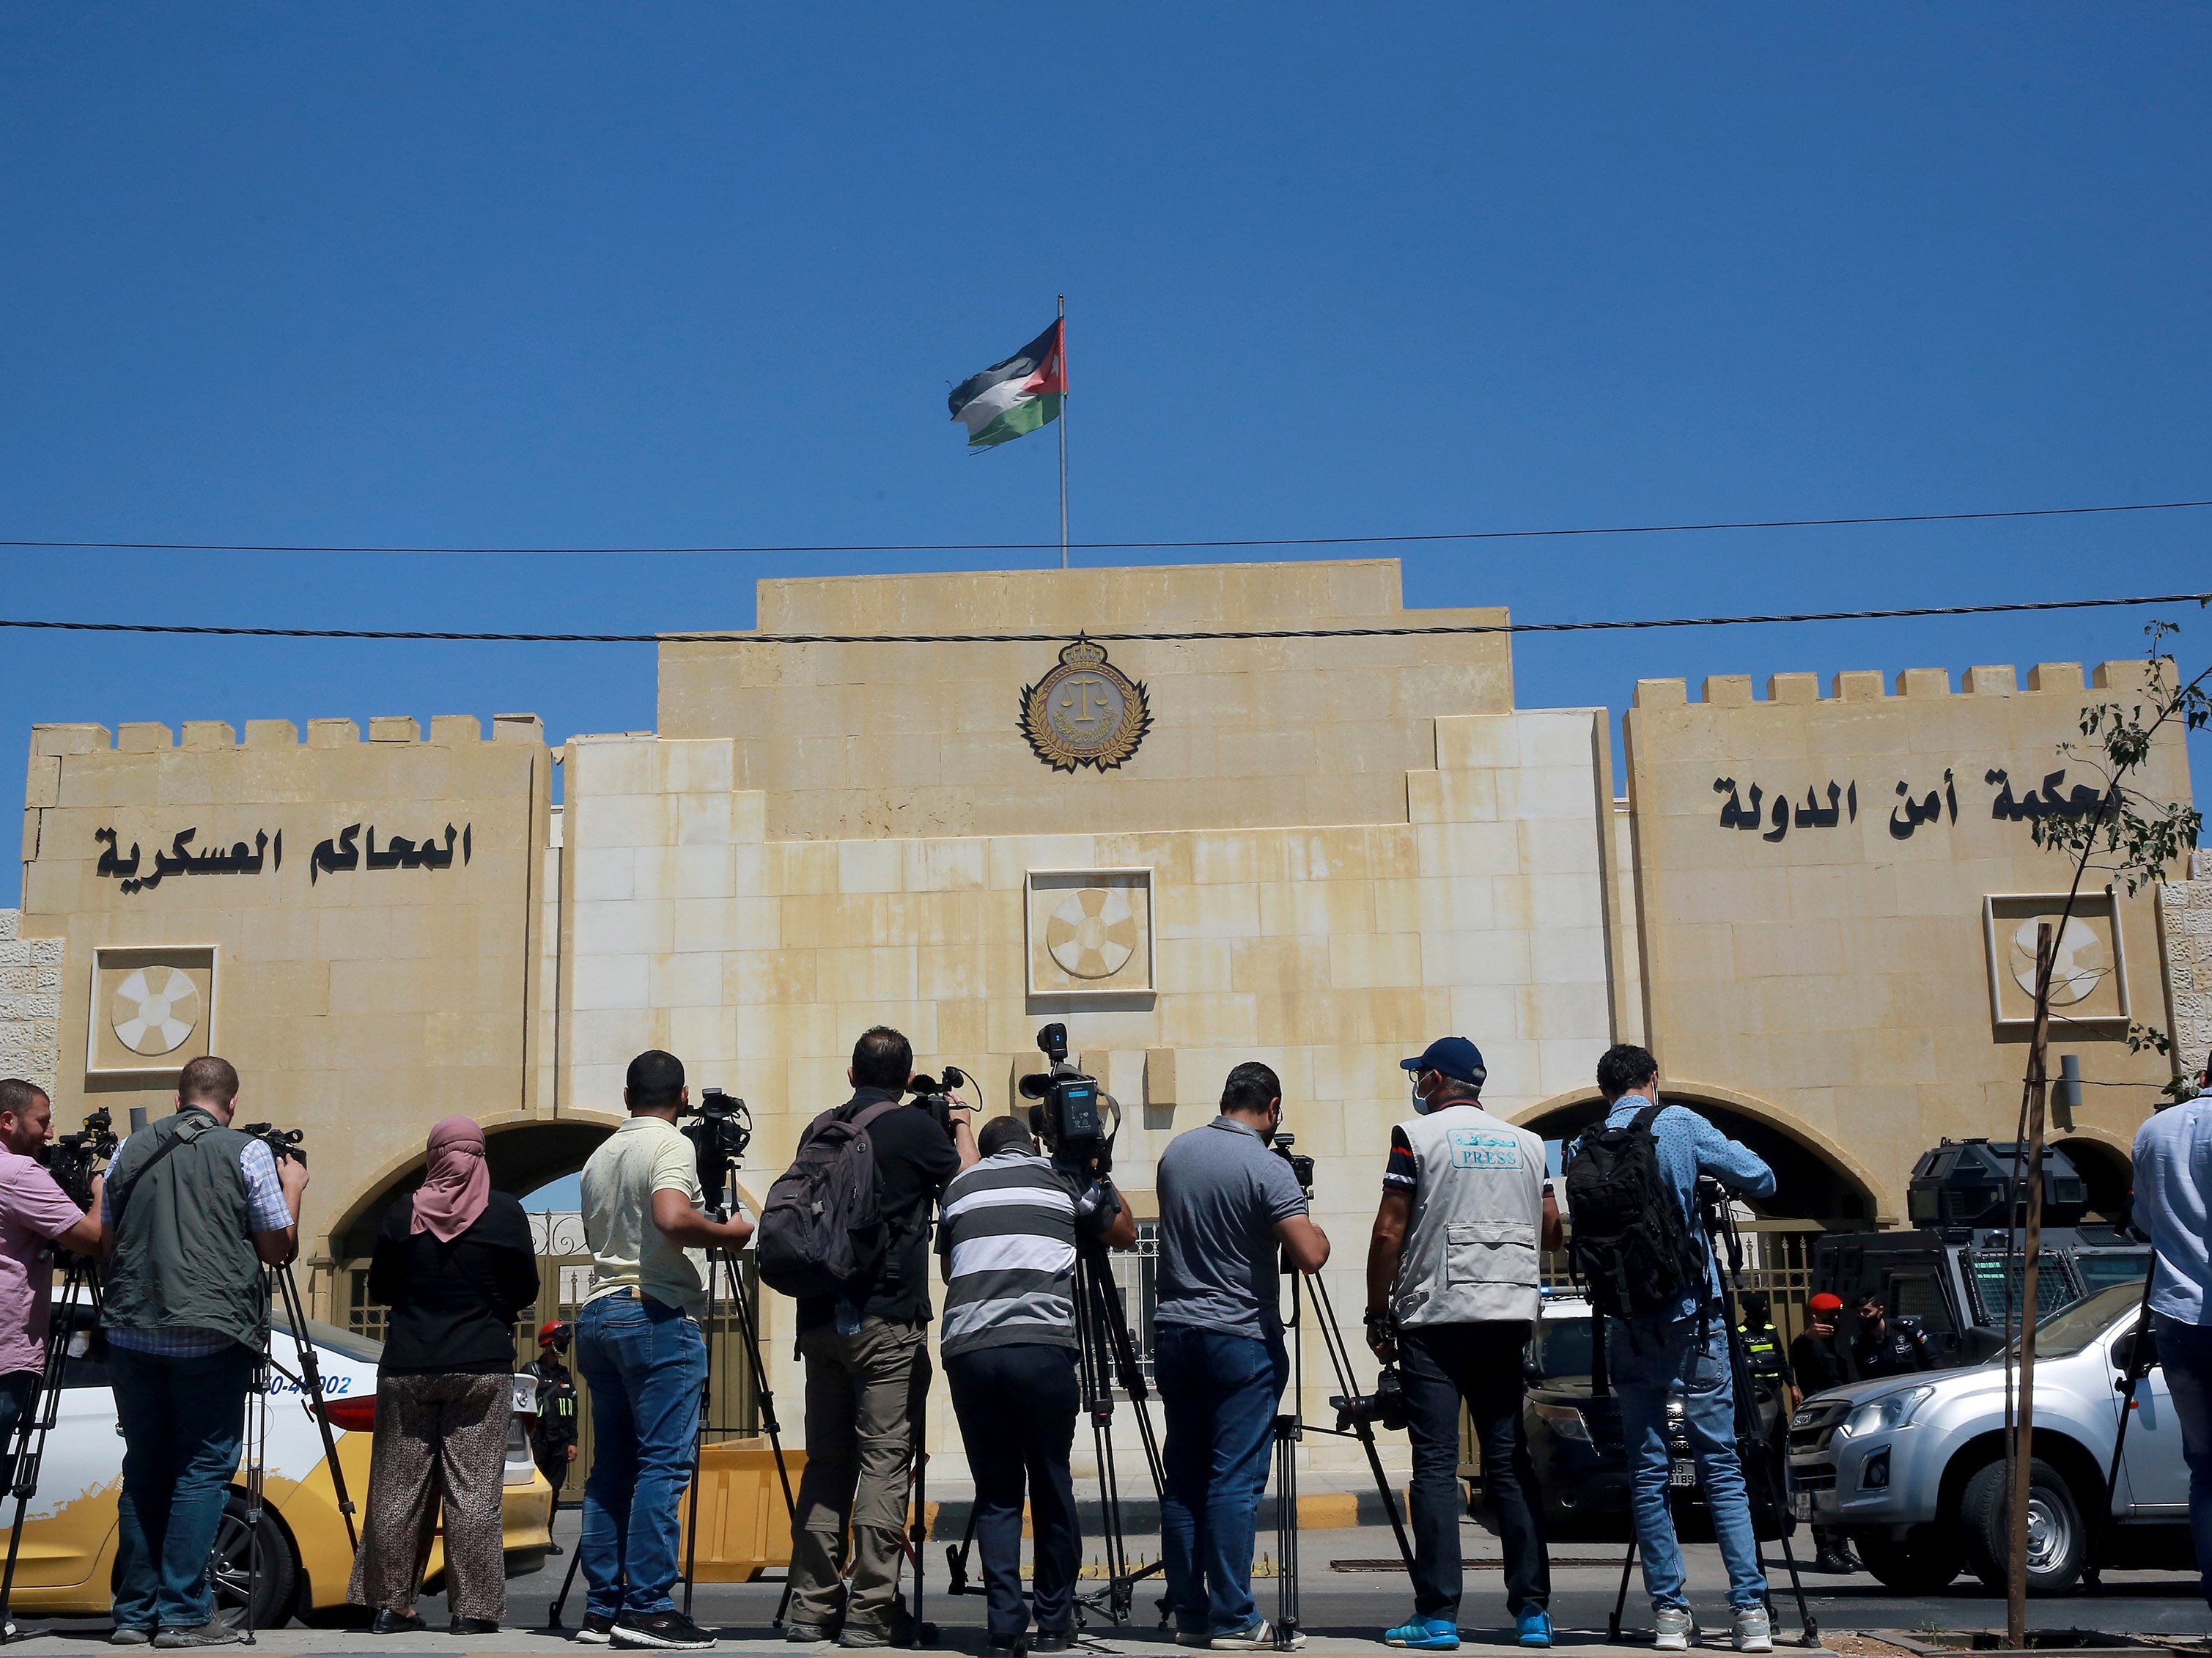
(278, 1579)
(1923, 1564)
(2057, 1538)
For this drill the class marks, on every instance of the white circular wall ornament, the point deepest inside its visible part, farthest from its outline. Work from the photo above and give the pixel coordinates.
(154, 1010)
(2083, 960)
(1092, 934)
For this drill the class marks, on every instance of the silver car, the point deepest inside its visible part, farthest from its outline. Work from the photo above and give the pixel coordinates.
(1912, 1467)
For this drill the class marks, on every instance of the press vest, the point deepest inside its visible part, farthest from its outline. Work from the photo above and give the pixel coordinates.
(184, 1246)
(1470, 1254)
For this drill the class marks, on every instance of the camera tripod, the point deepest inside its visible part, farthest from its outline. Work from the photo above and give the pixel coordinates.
(719, 1262)
(283, 1290)
(1354, 1421)
(40, 1413)
(1106, 1352)
(1764, 1476)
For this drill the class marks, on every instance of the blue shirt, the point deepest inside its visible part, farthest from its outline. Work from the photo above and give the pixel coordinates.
(2173, 1176)
(1690, 1146)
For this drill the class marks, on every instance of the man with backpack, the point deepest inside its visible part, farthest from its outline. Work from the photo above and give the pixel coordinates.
(862, 1269)
(1632, 1184)
(1452, 1277)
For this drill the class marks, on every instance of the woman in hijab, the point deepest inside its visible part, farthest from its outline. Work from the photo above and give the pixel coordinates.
(454, 1264)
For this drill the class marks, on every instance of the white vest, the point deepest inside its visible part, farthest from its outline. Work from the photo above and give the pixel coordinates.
(1470, 1253)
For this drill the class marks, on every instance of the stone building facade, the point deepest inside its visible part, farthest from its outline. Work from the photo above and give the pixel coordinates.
(1318, 851)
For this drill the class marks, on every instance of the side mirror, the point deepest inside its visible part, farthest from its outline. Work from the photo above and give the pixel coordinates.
(2136, 1352)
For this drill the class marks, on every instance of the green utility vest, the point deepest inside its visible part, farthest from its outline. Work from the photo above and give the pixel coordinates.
(184, 1236)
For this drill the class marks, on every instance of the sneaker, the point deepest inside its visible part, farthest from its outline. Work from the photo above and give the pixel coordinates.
(124, 1635)
(1424, 1634)
(670, 1631)
(596, 1630)
(863, 1640)
(808, 1633)
(1536, 1626)
(215, 1632)
(1837, 1561)
(1673, 1628)
(1754, 1632)
(1262, 1635)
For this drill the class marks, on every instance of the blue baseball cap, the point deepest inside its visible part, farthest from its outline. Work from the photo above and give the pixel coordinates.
(1450, 1056)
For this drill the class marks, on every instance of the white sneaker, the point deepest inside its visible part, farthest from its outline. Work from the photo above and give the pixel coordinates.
(1676, 1628)
(1754, 1632)
(1260, 1635)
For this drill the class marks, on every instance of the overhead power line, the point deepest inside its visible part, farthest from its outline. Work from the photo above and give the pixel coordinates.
(1145, 546)
(1185, 636)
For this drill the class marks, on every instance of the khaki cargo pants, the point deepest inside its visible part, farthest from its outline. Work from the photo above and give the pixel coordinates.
(864, 1394)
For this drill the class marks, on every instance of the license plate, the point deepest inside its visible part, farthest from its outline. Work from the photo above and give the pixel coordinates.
(1800, 1505)
(1684, 1474)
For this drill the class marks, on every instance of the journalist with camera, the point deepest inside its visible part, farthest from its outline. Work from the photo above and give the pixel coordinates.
(1452, 1295)
(1231, 1210)
(864, 1343)
(640, 1347)
(1632, 1188)
(192, 1211)
(1011, 1227)
(37, 1217)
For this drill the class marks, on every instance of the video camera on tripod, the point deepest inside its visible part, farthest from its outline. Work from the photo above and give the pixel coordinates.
(72, 1159)
(283, 1142)
(1075, 1118)
(720, 1130)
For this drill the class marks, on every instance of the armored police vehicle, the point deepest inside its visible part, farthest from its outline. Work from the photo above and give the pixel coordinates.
(1950, 1276)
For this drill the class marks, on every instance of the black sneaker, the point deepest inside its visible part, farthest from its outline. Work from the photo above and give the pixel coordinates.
(595, 1629)
(670, 1631)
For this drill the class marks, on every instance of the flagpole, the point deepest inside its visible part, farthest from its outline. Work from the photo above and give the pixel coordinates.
(1063, 433)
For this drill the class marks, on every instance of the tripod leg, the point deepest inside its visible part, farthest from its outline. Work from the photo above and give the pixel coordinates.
(311, 1393)
(764, 1397)
(1620, 1600)
(32, 1425)
(553, 1618)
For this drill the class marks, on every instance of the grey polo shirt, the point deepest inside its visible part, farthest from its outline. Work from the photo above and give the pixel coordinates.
(1221, 1193)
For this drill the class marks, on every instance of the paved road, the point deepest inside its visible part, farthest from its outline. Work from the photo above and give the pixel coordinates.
(1360, 1605)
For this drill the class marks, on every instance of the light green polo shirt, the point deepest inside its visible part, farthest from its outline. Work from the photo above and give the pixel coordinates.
(644, 1156)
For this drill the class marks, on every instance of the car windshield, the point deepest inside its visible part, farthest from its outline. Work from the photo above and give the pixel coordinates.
(347, 1342)
(1560, 1347)
(2064, 1335)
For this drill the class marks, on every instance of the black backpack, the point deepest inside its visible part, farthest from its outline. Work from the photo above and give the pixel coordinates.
(1632, 1244)
(821, 1228)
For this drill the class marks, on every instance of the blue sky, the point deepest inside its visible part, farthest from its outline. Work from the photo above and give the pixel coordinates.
(683, 274)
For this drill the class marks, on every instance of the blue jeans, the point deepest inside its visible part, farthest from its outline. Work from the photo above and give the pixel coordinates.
(2184, 1353)
(647, 1364)
(1650, 1358)
(1220, 1393)
(182, 1421)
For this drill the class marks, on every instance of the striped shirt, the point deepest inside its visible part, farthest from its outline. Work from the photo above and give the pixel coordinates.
(1007, 1228)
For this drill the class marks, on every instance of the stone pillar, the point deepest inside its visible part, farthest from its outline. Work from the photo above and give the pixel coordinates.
(30, 1003)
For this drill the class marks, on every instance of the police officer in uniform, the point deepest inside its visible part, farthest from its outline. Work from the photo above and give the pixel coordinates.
(1817, 1363)
(1769, 1370)
(553, 1434)
(1883, 1348)
(1451, 1294)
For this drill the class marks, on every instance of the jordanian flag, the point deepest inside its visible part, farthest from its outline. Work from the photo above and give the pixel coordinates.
(1017, 396)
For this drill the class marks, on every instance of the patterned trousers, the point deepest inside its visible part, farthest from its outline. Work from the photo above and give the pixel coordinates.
(440, 1438)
